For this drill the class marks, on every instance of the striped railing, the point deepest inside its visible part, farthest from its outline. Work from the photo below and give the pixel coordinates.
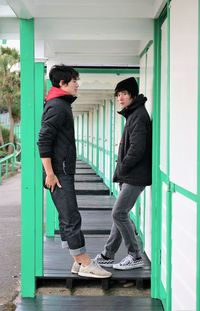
(7, 162)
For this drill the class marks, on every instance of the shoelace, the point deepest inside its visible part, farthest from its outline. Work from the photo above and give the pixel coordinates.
(126, 260)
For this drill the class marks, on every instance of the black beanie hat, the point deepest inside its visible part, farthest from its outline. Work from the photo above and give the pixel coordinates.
(130, 85)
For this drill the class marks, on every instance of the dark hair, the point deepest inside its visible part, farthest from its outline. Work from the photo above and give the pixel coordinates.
(130, 85)
(62, 72)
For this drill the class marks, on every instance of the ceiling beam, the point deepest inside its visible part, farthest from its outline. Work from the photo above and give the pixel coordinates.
(20, 8)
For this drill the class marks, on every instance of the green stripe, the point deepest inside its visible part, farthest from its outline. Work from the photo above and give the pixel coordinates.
(156, 193)
(146, 48)
(176, 188)
(100, 70)
(198, 174)
(27, 158)
(169, 192)
(39, 98)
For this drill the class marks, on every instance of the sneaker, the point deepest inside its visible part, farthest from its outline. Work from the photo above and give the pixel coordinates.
(75, 267)
(129, 263)
(104, 262)
(93, 270)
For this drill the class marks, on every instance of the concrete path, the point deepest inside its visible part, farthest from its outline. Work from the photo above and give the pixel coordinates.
(9, 239)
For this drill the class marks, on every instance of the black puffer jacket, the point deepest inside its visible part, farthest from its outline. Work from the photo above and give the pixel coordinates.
(56, 137)
(135, 150)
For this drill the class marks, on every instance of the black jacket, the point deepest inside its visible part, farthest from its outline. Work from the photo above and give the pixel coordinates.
(56, 137)
(135, 150)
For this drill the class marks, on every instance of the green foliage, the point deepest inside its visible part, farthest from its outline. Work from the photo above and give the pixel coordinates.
(9, 82)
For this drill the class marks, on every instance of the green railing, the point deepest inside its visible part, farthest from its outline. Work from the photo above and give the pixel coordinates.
(7, 161)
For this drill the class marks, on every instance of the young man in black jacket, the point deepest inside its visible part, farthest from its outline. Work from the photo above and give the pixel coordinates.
(133, 173)
(58, 153)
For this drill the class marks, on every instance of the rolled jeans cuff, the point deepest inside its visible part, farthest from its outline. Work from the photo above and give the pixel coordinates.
(74, 252)
(77, 251)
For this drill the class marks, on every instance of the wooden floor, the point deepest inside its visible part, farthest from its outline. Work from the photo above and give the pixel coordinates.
(58, 262)
(103, 303)
(95, 205)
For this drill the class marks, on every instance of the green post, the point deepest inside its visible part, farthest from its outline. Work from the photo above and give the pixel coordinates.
(88, 137)
(39, 102)
(170, 189)
(77, 135)
(82, 139)
(27, 158)
(104, 145)
(111, 145)
(198, 175)
(50, 215)
(156, 209)
(92, 138)
(50, 207)
(97, 142)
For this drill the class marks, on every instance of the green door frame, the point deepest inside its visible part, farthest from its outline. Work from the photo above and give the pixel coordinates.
(28, 217)
(198, 175)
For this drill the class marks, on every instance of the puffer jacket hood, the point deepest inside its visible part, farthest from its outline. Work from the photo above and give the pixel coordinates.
(55, 92)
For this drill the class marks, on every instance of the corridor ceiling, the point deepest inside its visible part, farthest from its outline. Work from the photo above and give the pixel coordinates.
(98, 33)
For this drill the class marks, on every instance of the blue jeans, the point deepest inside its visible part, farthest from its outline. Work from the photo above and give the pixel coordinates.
(69, 217)
(122, 226)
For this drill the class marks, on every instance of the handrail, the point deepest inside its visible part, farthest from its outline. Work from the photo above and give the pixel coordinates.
(11, 157)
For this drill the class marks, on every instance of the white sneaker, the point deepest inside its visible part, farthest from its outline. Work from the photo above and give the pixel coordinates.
(129, 263)
(75, 267)
(93, 270)
(104, 262)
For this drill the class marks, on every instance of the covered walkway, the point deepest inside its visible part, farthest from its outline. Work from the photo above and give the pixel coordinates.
(157, 42)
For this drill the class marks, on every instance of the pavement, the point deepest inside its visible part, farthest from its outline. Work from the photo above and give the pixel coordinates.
(9, 241)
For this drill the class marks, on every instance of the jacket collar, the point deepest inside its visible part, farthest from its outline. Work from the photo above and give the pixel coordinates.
(56, 92)
(137, 102)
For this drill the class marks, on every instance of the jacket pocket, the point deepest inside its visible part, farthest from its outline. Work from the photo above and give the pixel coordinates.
(69, 162)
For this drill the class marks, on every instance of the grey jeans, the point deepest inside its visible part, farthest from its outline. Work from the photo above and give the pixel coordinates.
(69, 217)
(122, 226)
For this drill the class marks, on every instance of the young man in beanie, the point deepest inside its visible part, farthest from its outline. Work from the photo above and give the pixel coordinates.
(133, 173)
(58, 153)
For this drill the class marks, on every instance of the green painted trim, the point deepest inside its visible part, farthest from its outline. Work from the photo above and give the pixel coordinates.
(27, 158)
(87, 137)
(48, 85)
(156, 191)
(92, 139)
(50, 215)
(104, 144)
(163, 295)
(97, 140)
(111, 144)
(145, 50)
(198, 175)
(78, 140)
(101, 70)
(39, 99)
(82, 137)
(144, 218)
(56, 220)
(176, 188)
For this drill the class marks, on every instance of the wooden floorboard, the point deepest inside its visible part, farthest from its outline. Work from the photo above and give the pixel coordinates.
(88, 178)
(95, 221)
(58, 262)
(86, 171)
(90, 188)
(95, 202)
(83, 303)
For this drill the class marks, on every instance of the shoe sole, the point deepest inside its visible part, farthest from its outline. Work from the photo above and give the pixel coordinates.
(89, 275)
(129, 268)
(74, 272)
(106, 265)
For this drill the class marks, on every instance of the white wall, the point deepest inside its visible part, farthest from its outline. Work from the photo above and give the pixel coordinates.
(183, 149)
